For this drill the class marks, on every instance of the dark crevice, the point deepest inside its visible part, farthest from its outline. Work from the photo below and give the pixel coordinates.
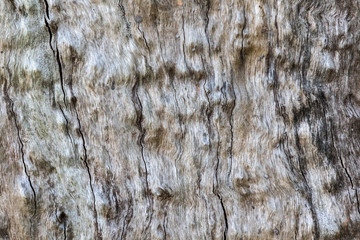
(11, 111)
(307, 189)
(62, 220)
(58, 59)
(276, 25)
(46, 20)
(123, 15)
(67, 123)
(139, 119)
(67, 129)
(225, 215)
(229, 111)
(242, 37)
(128, 217)
(208, 113)
(217, 186)
(231, 132)
(209, 107)
(296, 231)
(50, 33)
(298, 116)
(207, 10)
(212, 231)
(357, 200)
(123, 233)
(217, 159)
(98, 235)
(349, 101)
(65, 231)
(164, 225)
(217, 181)
(231, 119)
(271, 72)
(345, 169)
(242, 66)
(47, 10)
(351, 182)
(12, 3)
(347, 172)
(143, 35)
(306, 54)
(242, 71)
(184, 51)
(309, 198)
(56, 53)
(23, 156)
(284, 145)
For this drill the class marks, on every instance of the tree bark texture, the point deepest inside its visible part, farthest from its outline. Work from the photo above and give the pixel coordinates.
(176, 119)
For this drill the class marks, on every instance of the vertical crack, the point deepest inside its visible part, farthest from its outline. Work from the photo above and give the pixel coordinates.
(128, 216)
(225, 215)
(10, 107)
(85, 160)
(23, 155)
(230, 113)
(58, 59)
(123, 12)
(209, 111)
(143, 35)
(296, 231)
(164, 225)
(242, 37)
(349, 98)
(66, 124)
(46, 19)
(65, 231)
(205, 9)
(57, 56)
(139, 113)
(217, 192)
(345, 169)
(276, 24)
(302, 161)
(357, 200)
(184, 52)
(50, 33)
(62, 218)
(47, 9)
(308, 191)
(231, 129)
(207, 24)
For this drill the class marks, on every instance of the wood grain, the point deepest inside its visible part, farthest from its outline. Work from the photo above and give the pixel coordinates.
(164, 119)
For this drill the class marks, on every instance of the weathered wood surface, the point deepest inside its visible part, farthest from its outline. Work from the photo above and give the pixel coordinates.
(174, 119)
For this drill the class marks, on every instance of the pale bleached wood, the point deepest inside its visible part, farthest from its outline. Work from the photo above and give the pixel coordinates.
(174, 119)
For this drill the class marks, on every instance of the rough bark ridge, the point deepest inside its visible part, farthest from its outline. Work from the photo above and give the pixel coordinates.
(174, 119)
